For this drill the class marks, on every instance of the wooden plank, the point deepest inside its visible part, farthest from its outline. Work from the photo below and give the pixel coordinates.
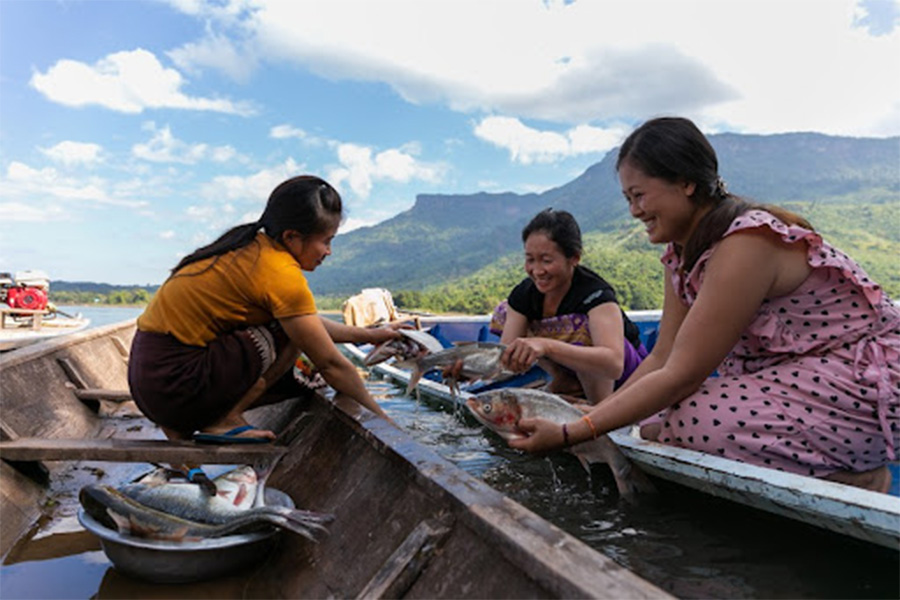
(403, 567)
(121, 450)
(72, 373)
(101, 394)
(120, 346)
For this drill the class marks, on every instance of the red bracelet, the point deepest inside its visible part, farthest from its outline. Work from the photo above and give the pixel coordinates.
(591, 425)
(565, 435)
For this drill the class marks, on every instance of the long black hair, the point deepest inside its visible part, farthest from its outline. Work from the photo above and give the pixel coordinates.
(306, 204)
(560, 227)
(674, 149)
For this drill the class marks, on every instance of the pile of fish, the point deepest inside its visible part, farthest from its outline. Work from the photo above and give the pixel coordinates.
(500, 410)
(163, 505)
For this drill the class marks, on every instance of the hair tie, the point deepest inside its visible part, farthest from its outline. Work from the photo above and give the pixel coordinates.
(720, 188)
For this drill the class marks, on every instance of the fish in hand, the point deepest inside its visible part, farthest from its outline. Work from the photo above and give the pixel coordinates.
(500, 410)
(479, 361)
(413, 344)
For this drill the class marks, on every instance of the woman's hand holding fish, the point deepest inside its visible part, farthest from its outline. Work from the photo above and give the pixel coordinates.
(522, 353)
(386, 333)
(542, 436)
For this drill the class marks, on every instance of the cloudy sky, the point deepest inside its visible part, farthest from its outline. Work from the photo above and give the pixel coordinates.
(133, 131)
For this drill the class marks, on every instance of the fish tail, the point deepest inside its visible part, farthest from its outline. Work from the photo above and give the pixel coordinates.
(414, 379)
(630, 480)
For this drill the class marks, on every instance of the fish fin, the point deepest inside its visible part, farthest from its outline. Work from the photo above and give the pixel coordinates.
(584, 463)
(630, 480)
(414, 379)
(123, 523)
(409, 363)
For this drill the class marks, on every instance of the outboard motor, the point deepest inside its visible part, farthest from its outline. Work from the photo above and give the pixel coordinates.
(29, 290)
(30, 298)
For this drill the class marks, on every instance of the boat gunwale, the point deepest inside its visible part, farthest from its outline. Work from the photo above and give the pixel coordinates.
(775, 491)
(553, 560)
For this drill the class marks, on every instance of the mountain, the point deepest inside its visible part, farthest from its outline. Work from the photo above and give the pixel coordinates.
(448, 237)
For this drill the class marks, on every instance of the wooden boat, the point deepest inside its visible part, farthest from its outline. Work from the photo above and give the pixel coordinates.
(869, 516)
(408, 523)
(21, 327)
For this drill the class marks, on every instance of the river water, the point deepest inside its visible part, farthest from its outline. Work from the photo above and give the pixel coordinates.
(687, 543)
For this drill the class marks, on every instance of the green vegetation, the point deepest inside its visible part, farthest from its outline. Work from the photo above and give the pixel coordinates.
(870, 233)
(463, 253)
(119, 297)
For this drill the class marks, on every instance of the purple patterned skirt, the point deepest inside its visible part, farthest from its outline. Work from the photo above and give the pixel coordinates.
(572, 329)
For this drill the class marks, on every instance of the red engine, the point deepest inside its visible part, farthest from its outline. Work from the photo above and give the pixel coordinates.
(30, 298)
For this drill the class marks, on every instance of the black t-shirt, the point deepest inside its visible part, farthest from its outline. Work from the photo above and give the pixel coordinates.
(588, 290)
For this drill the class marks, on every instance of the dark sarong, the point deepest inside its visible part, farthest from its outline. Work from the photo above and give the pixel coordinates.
(572, 329)
(188, 388)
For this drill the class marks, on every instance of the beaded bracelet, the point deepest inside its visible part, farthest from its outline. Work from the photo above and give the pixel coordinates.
(587, 419)
(565, 435)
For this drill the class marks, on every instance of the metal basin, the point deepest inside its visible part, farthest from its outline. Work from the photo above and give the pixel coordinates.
(161, 561)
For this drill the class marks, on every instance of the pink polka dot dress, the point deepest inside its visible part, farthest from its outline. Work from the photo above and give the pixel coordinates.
(813, 385)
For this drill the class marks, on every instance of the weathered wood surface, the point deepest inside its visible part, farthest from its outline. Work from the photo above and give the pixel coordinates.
(133, 450)
(101, 394)
(379, 483)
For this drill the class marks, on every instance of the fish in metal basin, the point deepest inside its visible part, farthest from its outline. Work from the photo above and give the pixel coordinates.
(238, 502)
(480, 361)
(500, 410)
(236, 492)
(116, 511)
(413, 344)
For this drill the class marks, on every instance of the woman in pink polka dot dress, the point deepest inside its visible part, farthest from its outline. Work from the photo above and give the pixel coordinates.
(806, 347)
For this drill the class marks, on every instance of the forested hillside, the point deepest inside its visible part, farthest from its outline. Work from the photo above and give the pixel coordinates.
(462, 253)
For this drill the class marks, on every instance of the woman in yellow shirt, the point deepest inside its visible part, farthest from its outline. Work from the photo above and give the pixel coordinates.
(223, 332)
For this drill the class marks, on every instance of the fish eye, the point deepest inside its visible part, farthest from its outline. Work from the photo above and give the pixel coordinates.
(486, 408)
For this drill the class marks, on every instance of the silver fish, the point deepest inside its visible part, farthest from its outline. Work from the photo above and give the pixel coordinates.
(239, 492)
(480, 360)
(116, 511)
(235, 493)
(414, 344)
(500, 410)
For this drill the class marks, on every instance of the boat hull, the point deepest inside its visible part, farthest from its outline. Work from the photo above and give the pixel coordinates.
(408, 523)
(862, 514)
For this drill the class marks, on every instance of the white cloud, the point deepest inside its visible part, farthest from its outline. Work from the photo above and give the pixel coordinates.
(527, 145)
(167, 235)
(128, 81)
(285, 131)
(744, 64)
(216, 52)
(24, 213)
(43, 187)
(230, 200)
(351, 224)
(163, 147)
(361, 167)
(72, 153)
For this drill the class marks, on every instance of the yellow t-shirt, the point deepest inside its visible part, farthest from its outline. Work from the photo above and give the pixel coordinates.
(249, 286)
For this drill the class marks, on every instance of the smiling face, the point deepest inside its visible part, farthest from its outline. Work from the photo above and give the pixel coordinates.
(309, 250)
(546, 265)
(665, 208)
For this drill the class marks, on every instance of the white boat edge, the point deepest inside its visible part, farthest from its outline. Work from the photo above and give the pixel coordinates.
(865, 515)
(18, 337)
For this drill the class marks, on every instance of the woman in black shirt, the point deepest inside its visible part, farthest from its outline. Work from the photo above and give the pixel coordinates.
(565, 317)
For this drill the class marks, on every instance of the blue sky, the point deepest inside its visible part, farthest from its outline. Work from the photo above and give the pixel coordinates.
(132, 132)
